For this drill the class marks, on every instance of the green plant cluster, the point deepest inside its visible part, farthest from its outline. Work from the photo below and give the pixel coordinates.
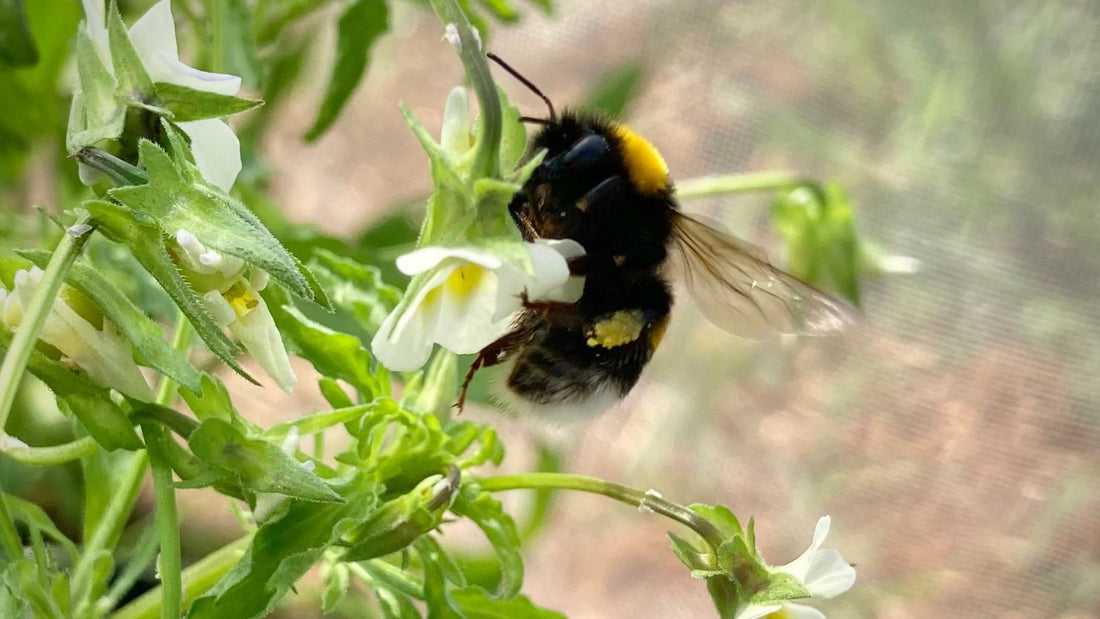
(370, 511)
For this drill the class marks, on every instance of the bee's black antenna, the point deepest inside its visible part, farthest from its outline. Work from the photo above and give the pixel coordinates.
(526, 82)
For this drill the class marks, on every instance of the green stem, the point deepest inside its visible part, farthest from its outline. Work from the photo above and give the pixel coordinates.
(122, 501)
(168, 526)
(34, 316)
(706, 186)
(643, 499)
(487, 159)
(110, 528)
(51, 455)
(198, 578)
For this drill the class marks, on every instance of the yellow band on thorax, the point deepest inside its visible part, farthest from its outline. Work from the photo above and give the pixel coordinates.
(644, 165)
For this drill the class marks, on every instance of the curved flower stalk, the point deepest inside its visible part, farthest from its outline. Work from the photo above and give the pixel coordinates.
(822, 572)
(466, 297)
(216, 149)
(230, 289)
(84, 337)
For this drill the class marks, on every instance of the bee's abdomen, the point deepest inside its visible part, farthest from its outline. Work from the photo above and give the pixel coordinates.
(560, 368)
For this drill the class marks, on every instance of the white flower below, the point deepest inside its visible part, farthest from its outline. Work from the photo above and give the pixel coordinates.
(824, 573)
(463, 298)
(98, 351)
(216, 148)
(231, 289)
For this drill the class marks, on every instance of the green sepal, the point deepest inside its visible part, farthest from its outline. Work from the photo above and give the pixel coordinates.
(134, 82)
(95, 114)
(781, 587)
(256, 464)
(186, 104)
(130, 322)
(399, 522)
(145, 239)
(360, 25)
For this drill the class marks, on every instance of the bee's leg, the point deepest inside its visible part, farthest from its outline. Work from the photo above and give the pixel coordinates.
(496, 352)
(553, 312)
(518, 208)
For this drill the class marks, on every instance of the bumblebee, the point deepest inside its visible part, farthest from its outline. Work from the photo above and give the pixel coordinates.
(607, 188)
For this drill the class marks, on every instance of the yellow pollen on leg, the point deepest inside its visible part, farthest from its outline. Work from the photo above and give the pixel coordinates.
(464, 279)
(644, 165)
(241, 299)
(623, 327)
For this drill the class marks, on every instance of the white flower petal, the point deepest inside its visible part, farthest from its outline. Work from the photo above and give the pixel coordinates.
(801, 611)
(164, 68)
(95, 24)
(829, 575)
(455, 136)
(220, 309)
(260, 337)
(420, 260)
(404, 341)
(154, 34)
(756, 611)
(217, 150)
(800, 567)
(467, 323)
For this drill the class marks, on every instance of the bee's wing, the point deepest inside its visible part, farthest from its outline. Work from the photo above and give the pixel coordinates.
(738, 290)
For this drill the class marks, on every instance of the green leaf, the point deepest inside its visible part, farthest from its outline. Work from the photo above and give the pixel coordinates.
(501, 9)
(616, 90)
(91, 404)
(334, 354)
(356, 288)
(476, 603)
(272, 16)
(143, 236)
(487, 513)
(132, 323)
(217, 220)
(17, 47)
(440, 605)
(361, 23)
(134, 83)
(317, 422)
(283, 550)
(191, 104)
(34, 517)
(260, 466)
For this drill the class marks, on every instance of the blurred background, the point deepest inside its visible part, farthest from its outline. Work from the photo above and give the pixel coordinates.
(953, 439)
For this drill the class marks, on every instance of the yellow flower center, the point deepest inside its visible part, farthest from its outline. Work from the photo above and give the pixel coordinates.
(779, 614)
(464, 279)
(241, 299)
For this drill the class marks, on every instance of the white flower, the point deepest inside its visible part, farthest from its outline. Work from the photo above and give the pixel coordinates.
(231, 291)
(215, 147)
(462, 298)
(98, 351)
(824, 573)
